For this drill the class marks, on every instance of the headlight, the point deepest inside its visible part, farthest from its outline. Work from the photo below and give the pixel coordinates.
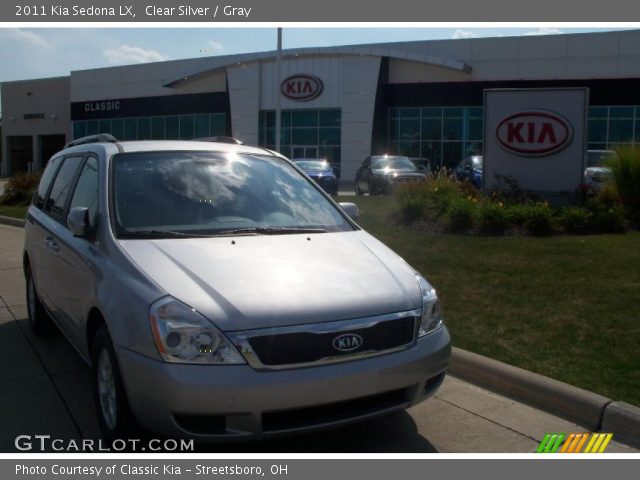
(182, 335)
(431, 310)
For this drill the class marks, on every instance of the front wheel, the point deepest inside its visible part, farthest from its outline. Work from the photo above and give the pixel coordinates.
(114, 415)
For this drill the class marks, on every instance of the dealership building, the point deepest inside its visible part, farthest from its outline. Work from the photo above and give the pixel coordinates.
(423, 99)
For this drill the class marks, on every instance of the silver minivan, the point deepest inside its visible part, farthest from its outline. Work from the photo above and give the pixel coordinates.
(218, 293)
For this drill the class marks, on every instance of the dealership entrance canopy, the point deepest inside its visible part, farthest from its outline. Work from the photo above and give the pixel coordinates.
(423, 99)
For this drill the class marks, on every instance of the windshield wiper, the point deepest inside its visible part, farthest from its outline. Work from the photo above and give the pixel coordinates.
(270, 231)
(160, 234)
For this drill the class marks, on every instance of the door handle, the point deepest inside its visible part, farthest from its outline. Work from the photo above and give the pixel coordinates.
(52, 244)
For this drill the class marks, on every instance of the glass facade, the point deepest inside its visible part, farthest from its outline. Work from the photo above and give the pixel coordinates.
(613, 125)
(171, 127)
(444, 135)
(447, 134)
(304, 134)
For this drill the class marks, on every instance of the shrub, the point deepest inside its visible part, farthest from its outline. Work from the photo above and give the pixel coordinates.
(625, 168)
(19, 188)
(538, 220)
(575, 219)
(412, 207)
(460, 215)
(492, 218)
(432, 196)
(516, 214)
(609, 220)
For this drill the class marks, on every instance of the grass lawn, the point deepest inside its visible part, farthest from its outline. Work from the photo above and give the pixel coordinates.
(565, 307)
(13, 211)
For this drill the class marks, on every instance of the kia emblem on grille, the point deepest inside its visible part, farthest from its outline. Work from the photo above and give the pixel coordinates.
(347, 342)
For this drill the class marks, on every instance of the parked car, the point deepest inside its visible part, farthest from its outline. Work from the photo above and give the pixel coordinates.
(423, 165)
(470, 170)
(378, 174)
(320, 171)
(216, 293)
(596, 172)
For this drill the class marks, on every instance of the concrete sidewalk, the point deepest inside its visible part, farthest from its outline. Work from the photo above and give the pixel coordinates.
(45, 389)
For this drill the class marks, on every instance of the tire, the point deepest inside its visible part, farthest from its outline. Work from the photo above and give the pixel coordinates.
(358, 191)
(39, 320)
(112, 407)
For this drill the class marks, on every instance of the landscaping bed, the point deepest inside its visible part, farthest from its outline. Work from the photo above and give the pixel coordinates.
(565, 306)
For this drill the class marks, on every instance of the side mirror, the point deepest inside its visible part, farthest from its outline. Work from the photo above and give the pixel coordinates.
(350, 209)
(78, 221)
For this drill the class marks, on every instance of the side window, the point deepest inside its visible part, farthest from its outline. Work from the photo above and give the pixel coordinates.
(86, 192)
(367, 162)
(45, 181)
(61, 186)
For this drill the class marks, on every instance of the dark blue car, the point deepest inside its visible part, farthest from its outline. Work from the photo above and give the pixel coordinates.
(320, 171)
(470, 170)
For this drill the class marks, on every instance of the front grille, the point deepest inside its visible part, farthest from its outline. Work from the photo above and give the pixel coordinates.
(306, 347)
(407, 179)
(334, 412)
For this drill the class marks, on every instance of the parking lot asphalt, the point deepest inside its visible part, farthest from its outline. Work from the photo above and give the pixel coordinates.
(45, 389)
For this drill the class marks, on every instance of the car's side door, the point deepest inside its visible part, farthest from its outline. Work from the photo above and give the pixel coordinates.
(73, 267)
(36, 232)
(55, 208)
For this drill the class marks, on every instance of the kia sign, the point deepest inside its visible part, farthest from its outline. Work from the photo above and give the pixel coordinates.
(301, 87)
(535, 136)
(534, 133)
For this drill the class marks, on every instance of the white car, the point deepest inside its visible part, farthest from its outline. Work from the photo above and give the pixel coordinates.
(597, 173)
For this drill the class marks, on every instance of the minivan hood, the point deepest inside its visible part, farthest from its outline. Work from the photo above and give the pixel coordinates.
(250, 282)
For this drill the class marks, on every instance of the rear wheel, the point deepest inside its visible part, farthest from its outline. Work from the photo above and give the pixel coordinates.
(39, 321)
(358, 191)
(114, 414)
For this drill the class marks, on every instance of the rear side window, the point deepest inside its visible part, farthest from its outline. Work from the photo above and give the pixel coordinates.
(62, 185)
(45, 181)
(86, 192)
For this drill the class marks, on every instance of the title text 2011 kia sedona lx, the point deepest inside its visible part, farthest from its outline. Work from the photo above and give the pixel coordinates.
(218, 293)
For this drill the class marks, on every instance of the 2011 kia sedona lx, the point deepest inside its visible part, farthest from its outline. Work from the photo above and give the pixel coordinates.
(217, 292)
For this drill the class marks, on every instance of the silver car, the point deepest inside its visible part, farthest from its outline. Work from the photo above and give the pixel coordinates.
(597, 172)
(218, 293)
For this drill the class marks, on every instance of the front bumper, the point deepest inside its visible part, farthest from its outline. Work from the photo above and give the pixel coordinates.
(236, 402)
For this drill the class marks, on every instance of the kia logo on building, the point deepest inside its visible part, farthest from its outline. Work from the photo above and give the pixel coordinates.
(302, 87)
(347, 342)
(534, 133)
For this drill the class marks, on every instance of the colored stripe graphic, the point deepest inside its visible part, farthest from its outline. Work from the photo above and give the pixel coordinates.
(598, 442)
(550, 443)
(573, 442)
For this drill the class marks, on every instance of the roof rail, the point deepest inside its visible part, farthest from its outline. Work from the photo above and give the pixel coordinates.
(220, 139)
(99, 138)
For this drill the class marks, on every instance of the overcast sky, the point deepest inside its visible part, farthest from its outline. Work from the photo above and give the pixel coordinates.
(47, 52)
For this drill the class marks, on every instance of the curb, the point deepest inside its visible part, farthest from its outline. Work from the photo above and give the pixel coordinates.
(588, 409)
(14, 222)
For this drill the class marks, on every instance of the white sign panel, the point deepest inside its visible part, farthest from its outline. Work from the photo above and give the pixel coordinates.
(536, 136)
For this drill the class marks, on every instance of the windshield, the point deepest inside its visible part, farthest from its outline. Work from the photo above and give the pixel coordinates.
(599, 158)
(312, 164)
(209, 193)
(392, 163)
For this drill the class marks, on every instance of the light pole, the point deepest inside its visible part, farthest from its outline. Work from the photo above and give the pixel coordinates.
(278, 93)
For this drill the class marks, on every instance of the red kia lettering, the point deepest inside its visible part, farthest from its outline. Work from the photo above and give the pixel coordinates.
(302, 87)
(534, 133)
